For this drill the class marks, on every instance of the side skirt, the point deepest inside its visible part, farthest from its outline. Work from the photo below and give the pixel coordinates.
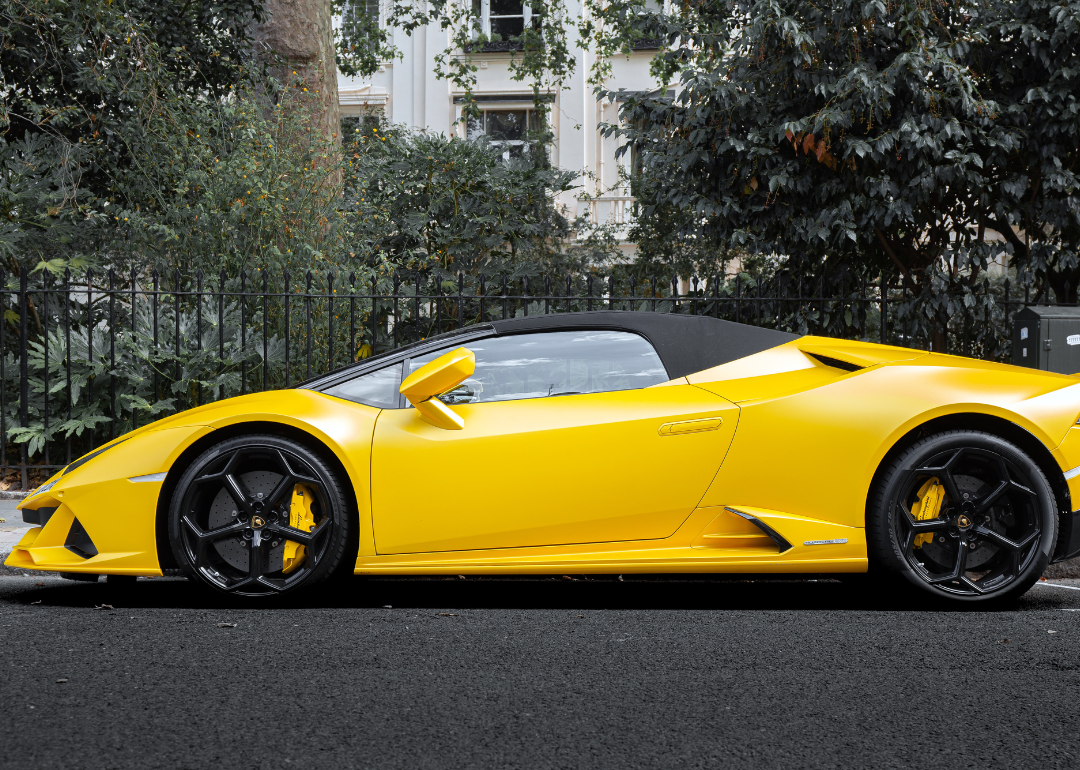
(807, 546)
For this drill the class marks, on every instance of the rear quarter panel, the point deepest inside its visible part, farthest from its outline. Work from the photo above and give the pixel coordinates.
(813, 448)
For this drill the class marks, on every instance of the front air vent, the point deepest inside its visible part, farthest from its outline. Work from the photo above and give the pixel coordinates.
(39, 516)
(79, 542)
(836, 363)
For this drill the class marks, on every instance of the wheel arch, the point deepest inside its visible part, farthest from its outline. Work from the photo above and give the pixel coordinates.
(187, 457)
(1002, 428)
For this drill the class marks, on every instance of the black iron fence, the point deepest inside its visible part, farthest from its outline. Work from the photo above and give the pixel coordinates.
(86, 358)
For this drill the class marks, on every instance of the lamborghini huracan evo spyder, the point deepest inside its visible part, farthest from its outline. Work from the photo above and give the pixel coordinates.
(606, 442)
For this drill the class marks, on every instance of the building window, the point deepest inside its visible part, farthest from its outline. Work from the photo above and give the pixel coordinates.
(506, 19)
(363, 11)
(503, 20)
(512, 130)
(362, 20)
(368, 119)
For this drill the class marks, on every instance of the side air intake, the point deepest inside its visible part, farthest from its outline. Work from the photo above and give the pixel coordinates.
(775, 536)
(79, 542)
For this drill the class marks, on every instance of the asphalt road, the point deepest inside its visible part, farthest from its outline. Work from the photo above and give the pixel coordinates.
(533, 674)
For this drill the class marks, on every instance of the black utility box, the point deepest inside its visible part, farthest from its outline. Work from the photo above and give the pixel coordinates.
(1047, 338)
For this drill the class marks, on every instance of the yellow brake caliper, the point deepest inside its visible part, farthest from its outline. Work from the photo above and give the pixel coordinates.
(928, 506)
(300, 517)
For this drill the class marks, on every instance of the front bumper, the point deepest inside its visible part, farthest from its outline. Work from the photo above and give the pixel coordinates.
(97, 520)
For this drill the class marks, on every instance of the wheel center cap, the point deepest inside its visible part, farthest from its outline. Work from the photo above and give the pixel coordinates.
(258, 522)
(963, 521)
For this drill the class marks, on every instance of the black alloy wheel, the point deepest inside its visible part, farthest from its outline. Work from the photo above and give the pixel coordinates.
(964, 515)
(259, 516)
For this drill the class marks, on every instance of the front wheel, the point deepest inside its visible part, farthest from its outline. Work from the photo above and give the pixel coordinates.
(963, 515)
(259, 516)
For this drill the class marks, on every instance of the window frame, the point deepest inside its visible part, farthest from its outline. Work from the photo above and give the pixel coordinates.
(526, 17)
(404, 402)
(456, 339)
(328, 390)
(506, 144)
(364, 7)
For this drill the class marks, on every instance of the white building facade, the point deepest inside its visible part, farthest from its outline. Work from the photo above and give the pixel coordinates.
(406, 91)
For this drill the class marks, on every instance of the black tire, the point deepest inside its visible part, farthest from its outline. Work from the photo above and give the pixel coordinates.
(995, 527)
(232, 512)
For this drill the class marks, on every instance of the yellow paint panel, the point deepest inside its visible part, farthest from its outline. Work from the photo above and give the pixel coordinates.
(435, 412)
(566, 469)
(772, 374)
(674, 554)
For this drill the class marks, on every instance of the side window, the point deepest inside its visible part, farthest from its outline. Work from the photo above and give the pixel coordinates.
(554, 364)
(378, 388)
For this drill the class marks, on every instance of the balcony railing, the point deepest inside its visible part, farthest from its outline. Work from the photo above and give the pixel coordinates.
(611, 208)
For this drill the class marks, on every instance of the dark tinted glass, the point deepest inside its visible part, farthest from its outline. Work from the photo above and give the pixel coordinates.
(554, 364)
(506, 8)
(507, 28)
(378, 388)
(505, 124)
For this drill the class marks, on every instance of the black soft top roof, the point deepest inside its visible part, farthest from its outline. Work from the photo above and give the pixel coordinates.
(685, 343)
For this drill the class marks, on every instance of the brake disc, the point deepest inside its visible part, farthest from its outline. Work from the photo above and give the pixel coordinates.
(234, 551)
(943, 554)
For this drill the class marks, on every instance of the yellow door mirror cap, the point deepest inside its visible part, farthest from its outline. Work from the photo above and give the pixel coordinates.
(445, 372)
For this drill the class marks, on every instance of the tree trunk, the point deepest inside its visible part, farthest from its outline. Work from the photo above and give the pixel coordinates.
(301, 33)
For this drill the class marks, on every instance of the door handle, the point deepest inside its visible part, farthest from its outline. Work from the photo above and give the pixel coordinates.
(690, 426)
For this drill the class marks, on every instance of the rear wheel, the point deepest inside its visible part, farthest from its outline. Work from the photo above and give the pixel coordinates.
(259, 516)
(964, 515)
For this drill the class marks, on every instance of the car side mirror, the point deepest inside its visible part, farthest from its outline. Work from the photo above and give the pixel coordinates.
(444, 373)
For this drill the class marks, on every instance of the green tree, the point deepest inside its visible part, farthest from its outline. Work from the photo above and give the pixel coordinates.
(1029, 66)
(425, 201)
(81, 81)
(243, 183)
(887, 135)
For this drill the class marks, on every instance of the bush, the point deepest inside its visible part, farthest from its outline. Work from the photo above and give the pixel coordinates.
(106, 372)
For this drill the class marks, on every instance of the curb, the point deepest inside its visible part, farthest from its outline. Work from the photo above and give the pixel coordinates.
(13, 495)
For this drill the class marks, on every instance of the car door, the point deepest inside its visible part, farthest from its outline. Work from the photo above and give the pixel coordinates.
(569, 437)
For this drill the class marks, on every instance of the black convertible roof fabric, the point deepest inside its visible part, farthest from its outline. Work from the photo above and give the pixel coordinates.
(685, 343)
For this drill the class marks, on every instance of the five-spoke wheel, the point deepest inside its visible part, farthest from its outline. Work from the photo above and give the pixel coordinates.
(259, 515)
(964, 514)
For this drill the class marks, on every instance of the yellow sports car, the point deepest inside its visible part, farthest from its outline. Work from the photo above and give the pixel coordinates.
(605, 442)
